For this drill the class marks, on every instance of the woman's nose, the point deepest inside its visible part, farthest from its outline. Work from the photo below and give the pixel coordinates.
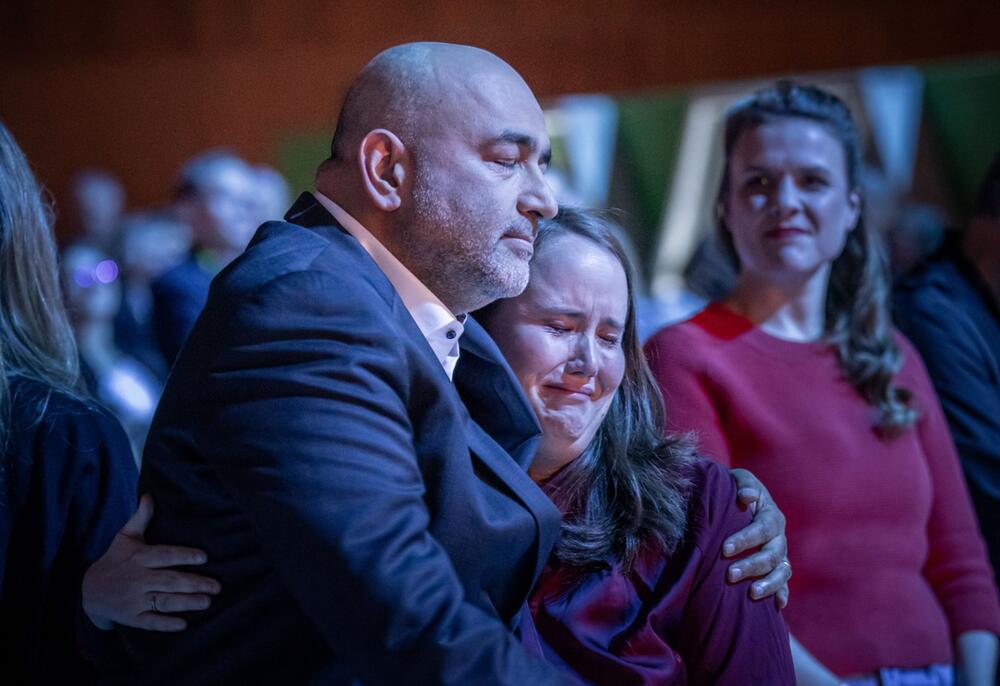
(786, 197)
(584, 359)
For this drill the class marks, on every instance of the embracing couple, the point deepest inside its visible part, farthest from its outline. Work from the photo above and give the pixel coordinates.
(377, 482)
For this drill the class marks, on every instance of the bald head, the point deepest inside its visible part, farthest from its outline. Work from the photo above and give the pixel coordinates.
(440, 153)
(406, 88)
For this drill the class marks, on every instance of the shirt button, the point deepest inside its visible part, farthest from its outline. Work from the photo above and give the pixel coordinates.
(451, 334)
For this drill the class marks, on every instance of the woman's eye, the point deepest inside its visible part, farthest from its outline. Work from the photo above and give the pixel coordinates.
(610, 341)
(506, 164)
(815, 182)
(757, 182)
(557, 328)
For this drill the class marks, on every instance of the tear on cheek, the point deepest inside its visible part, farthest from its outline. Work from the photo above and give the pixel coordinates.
(757, 202)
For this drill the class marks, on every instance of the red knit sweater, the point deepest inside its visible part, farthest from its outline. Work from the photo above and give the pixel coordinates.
(889, 563)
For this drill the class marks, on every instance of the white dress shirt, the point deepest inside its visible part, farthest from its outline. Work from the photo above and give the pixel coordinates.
(436, 322)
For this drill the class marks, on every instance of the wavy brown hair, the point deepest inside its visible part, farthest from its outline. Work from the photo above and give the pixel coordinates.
(36, 341)
(629, 487)
(858, 321)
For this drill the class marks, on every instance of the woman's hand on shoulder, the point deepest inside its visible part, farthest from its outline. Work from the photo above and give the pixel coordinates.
(132, 583)
(766, 532)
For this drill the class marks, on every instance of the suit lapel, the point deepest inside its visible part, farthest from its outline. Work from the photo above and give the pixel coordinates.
(495, 460)
(493, 395)
(502, 426)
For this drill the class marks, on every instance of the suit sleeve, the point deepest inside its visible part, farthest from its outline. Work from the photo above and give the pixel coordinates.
(312, 437)
(965, 380)
(956, 566)
(175, 311)
(686, 394)
(727, 638)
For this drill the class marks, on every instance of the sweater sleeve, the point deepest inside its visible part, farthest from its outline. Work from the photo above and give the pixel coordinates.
(728, 638)
(956, 566)
(679, 369)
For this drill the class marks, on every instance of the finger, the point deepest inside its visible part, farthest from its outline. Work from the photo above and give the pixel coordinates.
(781, 597)
(748, 499)
(764, 527)
(135, 527)
(172, 581)
(179, 602)
(772, 583)
(744, 478)
(152, 621)
(157, 556)
(748, 495)
(760, 563)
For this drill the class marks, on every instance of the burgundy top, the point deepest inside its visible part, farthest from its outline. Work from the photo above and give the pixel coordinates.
(674, 619)
(889, 563)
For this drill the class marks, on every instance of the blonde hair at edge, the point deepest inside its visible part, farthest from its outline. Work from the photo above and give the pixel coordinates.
(35, 336)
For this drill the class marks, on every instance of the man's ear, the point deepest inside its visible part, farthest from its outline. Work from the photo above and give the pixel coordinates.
(385, 166)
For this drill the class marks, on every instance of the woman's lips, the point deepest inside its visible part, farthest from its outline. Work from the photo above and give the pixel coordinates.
(570, 392)
(780, 232)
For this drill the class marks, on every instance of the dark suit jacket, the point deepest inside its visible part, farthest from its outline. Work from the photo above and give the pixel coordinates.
(361, 523)
(948, 313)
(179, 295)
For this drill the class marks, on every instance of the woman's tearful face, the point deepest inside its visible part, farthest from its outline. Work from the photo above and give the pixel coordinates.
(563, 338)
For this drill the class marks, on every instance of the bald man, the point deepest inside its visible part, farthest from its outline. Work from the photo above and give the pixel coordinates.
(310, 438)
(369, 519)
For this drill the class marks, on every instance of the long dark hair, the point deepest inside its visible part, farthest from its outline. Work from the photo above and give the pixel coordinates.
(629, 487)
(858, 323)
(36, 341)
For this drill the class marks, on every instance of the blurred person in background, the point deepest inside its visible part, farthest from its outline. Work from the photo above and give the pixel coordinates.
(120, 382)
(216, 199)
(914, 235)
(97, 200)
(67, 478)
(150, 244)
(950, 309)
(799, 376)
(271, 198)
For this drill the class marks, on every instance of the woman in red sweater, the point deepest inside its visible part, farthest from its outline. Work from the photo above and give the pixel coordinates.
(799, 376)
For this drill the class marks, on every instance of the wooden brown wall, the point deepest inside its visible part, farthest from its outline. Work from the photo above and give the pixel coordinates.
(139, 86)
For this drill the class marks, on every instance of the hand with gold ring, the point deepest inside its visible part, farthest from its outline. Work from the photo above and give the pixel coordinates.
(766, 532)
(132, 585)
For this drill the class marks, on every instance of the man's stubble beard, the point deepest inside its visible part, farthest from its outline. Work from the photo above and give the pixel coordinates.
(462, 263)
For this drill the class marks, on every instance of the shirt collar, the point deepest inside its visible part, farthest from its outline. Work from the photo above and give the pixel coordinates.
(436, 322)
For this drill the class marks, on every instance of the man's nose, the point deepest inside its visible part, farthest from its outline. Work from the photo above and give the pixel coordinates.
(537, 199)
